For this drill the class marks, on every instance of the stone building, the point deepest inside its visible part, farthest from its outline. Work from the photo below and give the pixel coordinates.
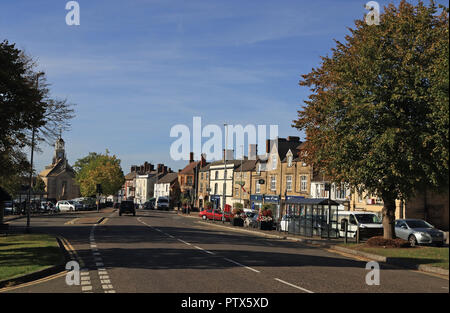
(59, 177)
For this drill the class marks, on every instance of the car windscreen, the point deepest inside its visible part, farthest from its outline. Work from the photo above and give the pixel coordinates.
(126, 204)
(367, 219)
(418, 224)
(162, 200)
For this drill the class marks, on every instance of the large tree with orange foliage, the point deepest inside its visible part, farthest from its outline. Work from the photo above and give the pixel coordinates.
(378, 114)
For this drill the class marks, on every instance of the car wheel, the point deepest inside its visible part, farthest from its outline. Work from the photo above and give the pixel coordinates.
(439, 244)
(120, 214)
(412, 240)
(134, 213)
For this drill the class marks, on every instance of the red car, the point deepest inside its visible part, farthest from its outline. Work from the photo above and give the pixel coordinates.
(213, 214)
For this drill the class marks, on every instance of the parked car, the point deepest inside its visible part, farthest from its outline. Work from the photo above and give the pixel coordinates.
(252, 222)
(212, 214)
(68, 205)
(8, 207)
(162, 203)
(149, 205)
(127, 207)
(418, 231)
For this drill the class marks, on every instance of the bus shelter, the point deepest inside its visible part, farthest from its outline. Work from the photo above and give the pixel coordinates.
(312, 217)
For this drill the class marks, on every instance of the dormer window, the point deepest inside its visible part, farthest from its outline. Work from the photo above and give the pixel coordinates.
(290, 160)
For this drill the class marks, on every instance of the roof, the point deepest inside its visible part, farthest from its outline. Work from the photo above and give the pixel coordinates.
(130, 176)
(168, 178)
(248, 165)
(189, 169)
(234, 162)
(60, 167)
(285, 146)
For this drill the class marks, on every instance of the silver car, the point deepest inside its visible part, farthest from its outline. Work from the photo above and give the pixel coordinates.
(418, 231)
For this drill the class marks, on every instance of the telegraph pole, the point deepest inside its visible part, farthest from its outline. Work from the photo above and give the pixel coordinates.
(31, 163)
(225, 173)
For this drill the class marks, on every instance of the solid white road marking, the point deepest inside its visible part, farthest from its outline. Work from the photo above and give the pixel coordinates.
(292, 285)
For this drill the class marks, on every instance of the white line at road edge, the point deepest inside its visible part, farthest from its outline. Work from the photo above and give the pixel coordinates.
(289, 284)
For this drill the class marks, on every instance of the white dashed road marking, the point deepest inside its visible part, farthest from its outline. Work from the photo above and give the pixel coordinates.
(292, 285)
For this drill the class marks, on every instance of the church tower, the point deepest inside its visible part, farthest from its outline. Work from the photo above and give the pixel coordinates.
(60, 152)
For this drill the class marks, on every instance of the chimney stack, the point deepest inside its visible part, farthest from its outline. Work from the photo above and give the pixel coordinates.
(252, 151)
(160, 168)
(203, 160)
(191, 157)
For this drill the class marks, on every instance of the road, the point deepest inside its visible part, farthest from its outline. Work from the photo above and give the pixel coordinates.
(168, 253)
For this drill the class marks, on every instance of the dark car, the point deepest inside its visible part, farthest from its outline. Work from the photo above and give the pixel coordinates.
(127, 207)
(149, 205)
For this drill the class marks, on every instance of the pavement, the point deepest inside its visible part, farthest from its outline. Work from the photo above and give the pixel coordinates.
(165, 252)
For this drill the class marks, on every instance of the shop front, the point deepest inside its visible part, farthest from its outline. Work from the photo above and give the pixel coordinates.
(275, 201)
(256, 202)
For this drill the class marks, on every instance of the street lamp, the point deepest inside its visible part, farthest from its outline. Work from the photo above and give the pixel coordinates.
(31, 162)
(225, 173)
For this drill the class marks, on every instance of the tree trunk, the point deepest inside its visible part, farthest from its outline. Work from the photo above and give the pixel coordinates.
(389, 217)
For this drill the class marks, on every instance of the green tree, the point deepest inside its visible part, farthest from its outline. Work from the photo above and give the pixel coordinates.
(378, 114)
(39, 186)
(99, 169)
(25, 105)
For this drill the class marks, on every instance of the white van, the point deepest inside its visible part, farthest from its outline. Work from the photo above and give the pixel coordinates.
(369, 224)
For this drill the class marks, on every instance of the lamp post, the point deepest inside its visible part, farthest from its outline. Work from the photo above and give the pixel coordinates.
(240, 191)
(225, 173)
(31, 163)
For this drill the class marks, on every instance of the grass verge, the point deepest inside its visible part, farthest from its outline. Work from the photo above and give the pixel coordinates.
(22, 254)
(432, 256)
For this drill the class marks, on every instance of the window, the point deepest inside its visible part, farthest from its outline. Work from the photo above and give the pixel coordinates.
(201, 175)
(217, 174)
(274, 162)
(290, 161)
(352, 220)
(215, 188)
(258, 187)
(303, 183)
(236, 191)
(207, 175)
(273, 182)
(201, 187)
(189, 181)
(289, 183)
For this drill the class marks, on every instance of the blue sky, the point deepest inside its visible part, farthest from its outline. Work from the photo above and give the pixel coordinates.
(136, 68)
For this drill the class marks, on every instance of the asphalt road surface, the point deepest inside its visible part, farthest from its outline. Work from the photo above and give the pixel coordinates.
(165, 252)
